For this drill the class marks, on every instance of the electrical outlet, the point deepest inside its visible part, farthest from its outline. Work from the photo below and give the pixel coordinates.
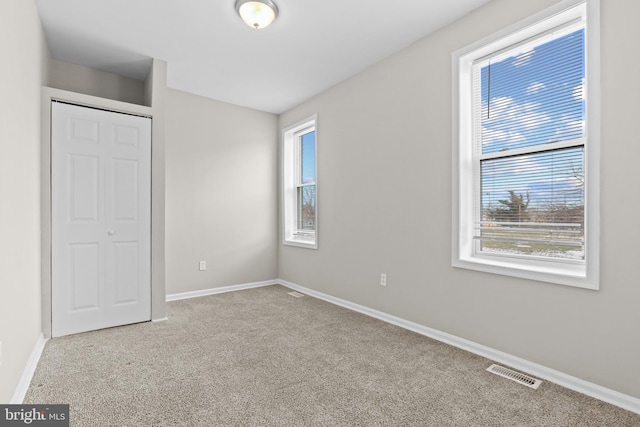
(383, 279)
(203, 265)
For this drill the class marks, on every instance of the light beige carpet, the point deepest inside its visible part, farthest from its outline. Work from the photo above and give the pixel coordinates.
(260, 357)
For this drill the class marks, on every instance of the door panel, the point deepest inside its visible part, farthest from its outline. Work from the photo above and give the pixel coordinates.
(126, 272)
(101, 219)
(127, 135)
(83, 188)
(84, 276)
(125, 173)
(84, 130)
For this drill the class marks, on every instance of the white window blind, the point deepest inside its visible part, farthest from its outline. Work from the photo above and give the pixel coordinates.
(529, 132)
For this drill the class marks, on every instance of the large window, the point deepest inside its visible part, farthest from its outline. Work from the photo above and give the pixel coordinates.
(299, 189)
(526, 149)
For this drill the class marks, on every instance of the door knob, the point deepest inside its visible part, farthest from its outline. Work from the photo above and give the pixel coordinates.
(111, 232)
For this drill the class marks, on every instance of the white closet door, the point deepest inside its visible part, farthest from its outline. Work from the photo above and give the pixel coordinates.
(100, 218)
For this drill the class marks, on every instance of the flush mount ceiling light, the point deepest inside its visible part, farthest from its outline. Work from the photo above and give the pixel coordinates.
(257, 14)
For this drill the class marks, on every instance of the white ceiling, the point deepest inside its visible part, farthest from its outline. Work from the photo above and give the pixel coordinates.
(312, 45)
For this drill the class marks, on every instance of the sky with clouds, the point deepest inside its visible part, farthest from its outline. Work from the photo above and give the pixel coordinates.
(533, 99)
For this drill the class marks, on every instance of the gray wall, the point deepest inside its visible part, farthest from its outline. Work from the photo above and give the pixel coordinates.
(77, 78)
(155, 95)
(24, 70)
(221, 193)
(384, 188)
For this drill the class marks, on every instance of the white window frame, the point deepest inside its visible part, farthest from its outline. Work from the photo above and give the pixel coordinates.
(582, 274)
(291, 167)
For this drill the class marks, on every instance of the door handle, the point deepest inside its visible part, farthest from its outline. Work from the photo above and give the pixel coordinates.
(111, 232)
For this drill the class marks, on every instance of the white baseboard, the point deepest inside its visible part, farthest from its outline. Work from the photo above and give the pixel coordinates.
(624, 401)
(213, 291)
(30, 369)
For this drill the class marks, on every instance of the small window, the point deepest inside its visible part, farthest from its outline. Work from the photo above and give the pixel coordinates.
(300, 187)
(525, 131)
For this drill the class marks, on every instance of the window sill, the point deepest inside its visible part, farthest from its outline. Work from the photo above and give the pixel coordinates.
(570, 274)
(301, 242)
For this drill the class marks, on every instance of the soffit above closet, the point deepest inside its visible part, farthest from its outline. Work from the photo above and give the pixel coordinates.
(312, 45)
